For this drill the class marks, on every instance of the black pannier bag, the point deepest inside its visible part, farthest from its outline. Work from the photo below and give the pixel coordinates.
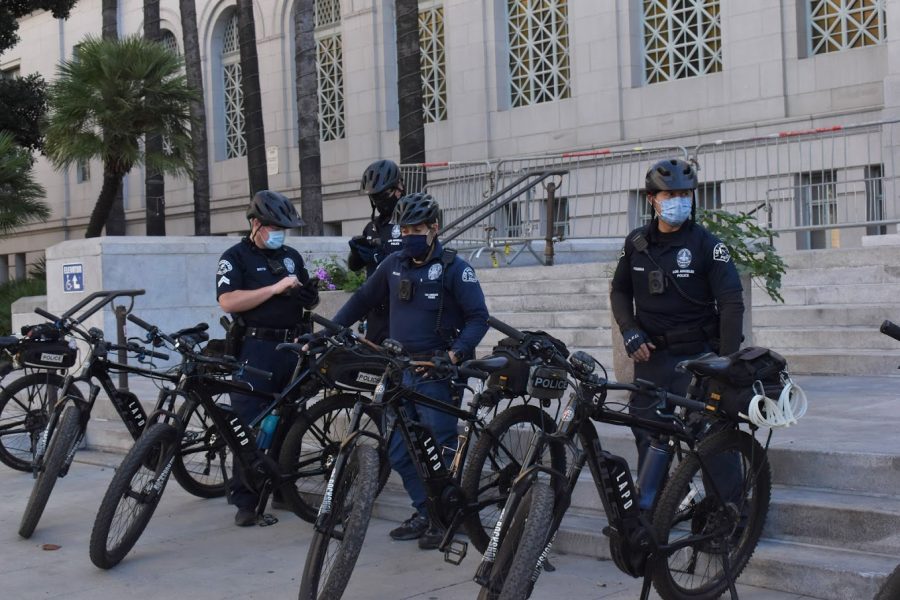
(516, 379)
(733, 390)
(359, 369)
(47, 355)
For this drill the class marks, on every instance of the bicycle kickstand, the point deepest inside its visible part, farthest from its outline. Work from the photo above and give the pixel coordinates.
(264, 519)
(648, 570)
(726, 566)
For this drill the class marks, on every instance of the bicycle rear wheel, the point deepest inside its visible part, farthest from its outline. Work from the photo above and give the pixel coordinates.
(890, 589)
(732, 519)
(62, 444)
(133, 495)
(496, 460)
(516, 566)
(336, 544)
(204, 462)
(312, 444)
(24, 413)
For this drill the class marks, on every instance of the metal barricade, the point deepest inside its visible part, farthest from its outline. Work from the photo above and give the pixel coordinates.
(818, 188)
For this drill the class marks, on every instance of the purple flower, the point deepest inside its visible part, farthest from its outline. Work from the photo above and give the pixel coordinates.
(331, 286)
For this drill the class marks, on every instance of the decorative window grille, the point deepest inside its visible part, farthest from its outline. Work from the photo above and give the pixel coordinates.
(167, 39)
(836, 25)
(682, 38)
(330, 70)
(538, 51)
(235, 139)
(434, 73)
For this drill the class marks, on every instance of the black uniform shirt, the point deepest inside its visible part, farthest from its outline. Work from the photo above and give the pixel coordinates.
(245, 266)
(388, 235)
(702, 266)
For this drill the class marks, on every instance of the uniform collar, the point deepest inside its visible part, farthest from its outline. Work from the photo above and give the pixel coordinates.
(263, 251)
(669, 239)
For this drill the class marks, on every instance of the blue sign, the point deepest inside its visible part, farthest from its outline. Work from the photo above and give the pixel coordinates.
(73, 278)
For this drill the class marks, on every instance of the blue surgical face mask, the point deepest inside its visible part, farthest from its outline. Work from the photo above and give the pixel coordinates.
(675, 211)
(416, 246)
(275, 240)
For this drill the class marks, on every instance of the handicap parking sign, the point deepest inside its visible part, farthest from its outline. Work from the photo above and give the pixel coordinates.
(73, 278)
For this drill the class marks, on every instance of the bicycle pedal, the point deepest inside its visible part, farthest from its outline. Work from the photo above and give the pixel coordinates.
(456, 552)
(266, 519)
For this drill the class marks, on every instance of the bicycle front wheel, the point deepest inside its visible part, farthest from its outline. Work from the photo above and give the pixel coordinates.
(890, 589)
(311, 446)
(133, 495)
(24, 413)
(725, 511)
(336, 544)
(62, 443)
(203, 465)
(496, 460)
(516, 565)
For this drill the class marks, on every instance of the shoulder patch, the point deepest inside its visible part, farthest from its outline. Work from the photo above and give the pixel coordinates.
(468, 275)
(224, 267)
(720, 253)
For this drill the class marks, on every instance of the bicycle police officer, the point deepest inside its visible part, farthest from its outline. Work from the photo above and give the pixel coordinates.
(380, 237)
(265, 287)
(436, 306)
(675, 294)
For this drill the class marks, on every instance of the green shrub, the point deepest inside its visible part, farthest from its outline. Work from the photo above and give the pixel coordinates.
(333, 275)
(12, 291)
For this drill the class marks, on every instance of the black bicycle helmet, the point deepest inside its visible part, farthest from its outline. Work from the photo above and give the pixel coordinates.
(416, 208)
(671, 174)
(380, 176)
(272, 208)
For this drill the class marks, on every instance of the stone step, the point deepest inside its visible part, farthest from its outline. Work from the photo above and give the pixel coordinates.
(559, 319)
(545, 287)
(590, 270)
(841, 362)
(847, 338)
(829, 293)
(543, 302)
(834, 315)
(841, 275)
(842, 257)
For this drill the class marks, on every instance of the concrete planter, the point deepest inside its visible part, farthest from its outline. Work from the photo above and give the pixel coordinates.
(331, 302)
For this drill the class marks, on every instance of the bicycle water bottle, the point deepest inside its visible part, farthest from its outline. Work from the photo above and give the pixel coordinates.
(266, 432)
(650, 479)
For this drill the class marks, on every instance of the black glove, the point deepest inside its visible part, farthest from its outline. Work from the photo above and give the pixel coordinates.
(308, 293)
(367, 252)
(634, 338)
(315, 342)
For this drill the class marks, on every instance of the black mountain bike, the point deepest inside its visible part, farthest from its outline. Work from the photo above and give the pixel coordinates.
(457, 493)
(699, 538)
(68, 419)
(300, 448)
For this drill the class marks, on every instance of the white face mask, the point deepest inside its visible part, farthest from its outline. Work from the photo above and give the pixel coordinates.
(675, 211)
(275, 240)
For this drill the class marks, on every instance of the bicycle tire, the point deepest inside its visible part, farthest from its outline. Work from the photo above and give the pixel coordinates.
(62, 441)
(157, 446)
(312, 444)
(495, 461)
(353, 498)
(684, 510)
(521, 547)
(24, 413)
(890, 589)
(203, 465)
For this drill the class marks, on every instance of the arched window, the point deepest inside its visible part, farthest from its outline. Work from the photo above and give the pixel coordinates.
(235, 140)
(167, 39)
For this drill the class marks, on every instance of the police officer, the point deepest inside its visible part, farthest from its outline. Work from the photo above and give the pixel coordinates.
(675, 294)
(265, 287)
(380, 237)
(436, 306)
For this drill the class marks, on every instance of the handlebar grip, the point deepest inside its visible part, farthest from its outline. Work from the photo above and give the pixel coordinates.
(140, 322)
(326, 323)
(467, 372)
(509, 330)
(46, 314)
(159, 355)
(255, 371)
(887, 328)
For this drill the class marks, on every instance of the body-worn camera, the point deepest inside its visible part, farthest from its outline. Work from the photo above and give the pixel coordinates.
(405, 292)
(656, 282)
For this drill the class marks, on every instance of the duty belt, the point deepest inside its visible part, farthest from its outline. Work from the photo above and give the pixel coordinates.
(271, 335)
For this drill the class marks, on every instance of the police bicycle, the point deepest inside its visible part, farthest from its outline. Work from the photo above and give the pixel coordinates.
(138, 484)
(456, 492)
(692, 540)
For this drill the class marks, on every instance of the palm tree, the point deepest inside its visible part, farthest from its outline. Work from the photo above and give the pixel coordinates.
(110, 11)
(308, 117)
(253, 116)
(154, 182)
(20, 194)
(102, 104)
(409, 83)
(194, 71)
(115, 224)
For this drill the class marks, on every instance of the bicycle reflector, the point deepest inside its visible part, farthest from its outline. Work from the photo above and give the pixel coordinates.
(547, 383)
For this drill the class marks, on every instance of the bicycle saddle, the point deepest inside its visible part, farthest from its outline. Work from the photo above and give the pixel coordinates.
(707, 365)
(488, 365)
(8, 341)
(198, 328)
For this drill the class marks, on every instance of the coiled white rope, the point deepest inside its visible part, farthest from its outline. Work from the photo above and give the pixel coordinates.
(783, 412)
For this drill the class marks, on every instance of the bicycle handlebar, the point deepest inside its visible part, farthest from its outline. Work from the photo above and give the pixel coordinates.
(47, 315)
(890, 329)
(153, 330)
(509, 330)
(326, 323)
(138, 349)
(647, 388)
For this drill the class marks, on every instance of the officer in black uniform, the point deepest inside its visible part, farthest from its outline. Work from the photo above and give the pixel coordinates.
(436, 306)
(676, 292)
(265, 287)
(380, 237)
